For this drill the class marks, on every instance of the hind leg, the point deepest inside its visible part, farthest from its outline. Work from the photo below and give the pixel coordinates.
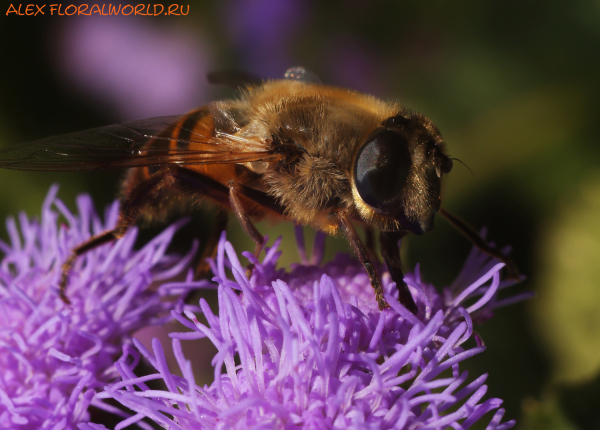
(131, 209)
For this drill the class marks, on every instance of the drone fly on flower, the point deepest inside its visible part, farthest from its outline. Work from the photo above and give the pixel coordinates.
(285, 150)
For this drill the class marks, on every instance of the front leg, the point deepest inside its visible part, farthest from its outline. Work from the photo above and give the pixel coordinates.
(363, 255)
(390, 250)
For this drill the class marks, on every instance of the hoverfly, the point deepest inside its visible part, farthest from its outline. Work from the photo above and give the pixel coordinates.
(286, 150)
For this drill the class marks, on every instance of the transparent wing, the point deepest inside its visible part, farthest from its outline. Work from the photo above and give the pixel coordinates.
(147, 142)
(301, 74)
(237, 79)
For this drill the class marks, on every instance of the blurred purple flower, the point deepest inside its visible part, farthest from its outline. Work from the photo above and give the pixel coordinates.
(355, 64)
(263, 32)
(310, 349)
(54, 358)
(133, 67)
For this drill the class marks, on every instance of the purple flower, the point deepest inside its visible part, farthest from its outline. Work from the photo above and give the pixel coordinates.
(55, 358)
(263, 31)
(355, 64)
(310, 349)
(133, 67)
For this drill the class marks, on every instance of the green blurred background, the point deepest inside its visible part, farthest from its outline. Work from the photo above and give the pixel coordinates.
(513, 85)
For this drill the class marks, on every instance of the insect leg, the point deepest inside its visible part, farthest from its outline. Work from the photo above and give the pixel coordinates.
(130, 210)
(390, 250)
(229, 196)
(210, 248)
(480, 243)
(362, 253)
(244, 219)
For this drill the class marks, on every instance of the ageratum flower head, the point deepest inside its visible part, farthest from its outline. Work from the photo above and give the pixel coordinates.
(54, 358)
(310, 349)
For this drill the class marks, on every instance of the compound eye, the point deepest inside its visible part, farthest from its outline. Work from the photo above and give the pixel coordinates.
(397, 121)
(381, 167)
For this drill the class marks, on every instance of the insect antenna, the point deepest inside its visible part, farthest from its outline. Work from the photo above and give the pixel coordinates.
(461, 162)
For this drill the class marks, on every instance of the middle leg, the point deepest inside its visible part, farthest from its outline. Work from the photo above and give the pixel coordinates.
(228, 196)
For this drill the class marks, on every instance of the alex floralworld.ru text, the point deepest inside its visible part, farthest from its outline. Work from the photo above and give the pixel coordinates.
(96, 9)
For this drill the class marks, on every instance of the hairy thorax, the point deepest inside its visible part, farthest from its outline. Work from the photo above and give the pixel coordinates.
(318, 133)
